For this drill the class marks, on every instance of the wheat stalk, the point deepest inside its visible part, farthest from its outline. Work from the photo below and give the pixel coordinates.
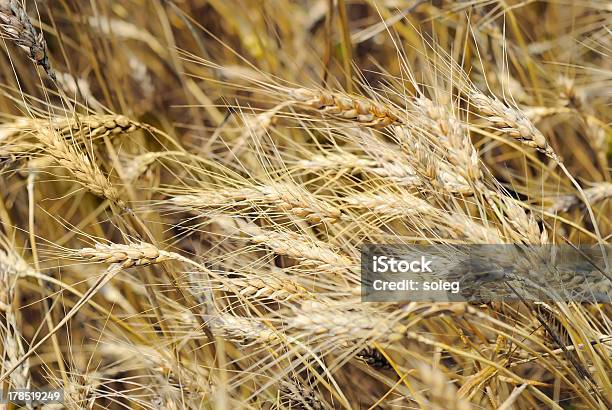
(15, 25)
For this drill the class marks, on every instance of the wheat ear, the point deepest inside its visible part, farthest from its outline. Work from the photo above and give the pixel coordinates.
(348, 107)
(307, 251)
(452, 134)
(597, 193)
(241, 330)
(391, 204)
(266, 286)
(126, 255)
(316, 318)
(395, 171)
(511, 122)
(284, 196)
(84, 171)
(85, 125)
(16, 26)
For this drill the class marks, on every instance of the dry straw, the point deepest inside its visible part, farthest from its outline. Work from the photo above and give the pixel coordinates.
(11, 267)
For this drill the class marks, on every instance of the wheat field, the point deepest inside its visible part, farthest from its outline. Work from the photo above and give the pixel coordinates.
(186, 187)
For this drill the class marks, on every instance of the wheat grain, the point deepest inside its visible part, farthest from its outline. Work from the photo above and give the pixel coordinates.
(96, 125)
